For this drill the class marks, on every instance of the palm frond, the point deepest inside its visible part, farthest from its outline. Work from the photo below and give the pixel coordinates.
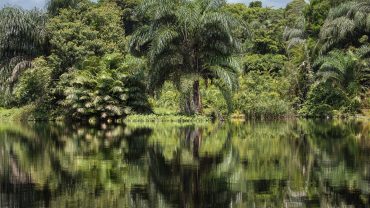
(161, 41)
(227, 77)
(139, 39)
(22, 37)
(347, 22)
(17, 70)
(211, 5)
(340, 68)
(363, 51)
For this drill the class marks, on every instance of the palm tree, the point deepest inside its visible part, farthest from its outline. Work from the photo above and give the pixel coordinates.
(22, 37)
(340, 69)
(297, 47)
(345, 25)
(186, 41)
(364, 55)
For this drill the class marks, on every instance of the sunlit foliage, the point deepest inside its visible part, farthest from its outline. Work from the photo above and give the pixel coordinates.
(87, 30)
(103, 89)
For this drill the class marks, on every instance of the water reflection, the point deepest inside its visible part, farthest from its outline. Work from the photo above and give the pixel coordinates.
(271, 164)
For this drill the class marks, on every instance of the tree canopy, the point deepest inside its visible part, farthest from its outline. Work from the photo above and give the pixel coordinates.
(188, 57)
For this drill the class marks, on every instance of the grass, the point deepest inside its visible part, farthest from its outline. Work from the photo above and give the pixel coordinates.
(164, 124)
(365, 115)
(166, 115)
(167, 118)
(24, 113)
(14, 114)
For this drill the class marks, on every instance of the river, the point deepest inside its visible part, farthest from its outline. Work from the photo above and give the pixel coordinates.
(296, 163)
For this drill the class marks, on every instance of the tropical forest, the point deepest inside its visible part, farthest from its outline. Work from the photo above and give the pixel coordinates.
(185, 103)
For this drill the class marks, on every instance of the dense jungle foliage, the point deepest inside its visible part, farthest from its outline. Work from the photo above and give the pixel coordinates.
(112, 58)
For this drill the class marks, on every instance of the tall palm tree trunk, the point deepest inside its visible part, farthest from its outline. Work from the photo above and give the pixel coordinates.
(197, 98)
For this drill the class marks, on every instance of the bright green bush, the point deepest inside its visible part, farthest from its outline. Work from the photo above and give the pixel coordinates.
(264, 63)
(33, 83)
(167, 102)
(85, 30)
(262, 95)
(259, 95)
(103, 89)
(214, 103)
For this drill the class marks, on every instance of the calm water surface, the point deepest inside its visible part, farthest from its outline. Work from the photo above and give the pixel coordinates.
(262, 164)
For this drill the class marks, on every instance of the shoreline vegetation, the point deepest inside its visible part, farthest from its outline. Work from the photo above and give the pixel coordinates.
(185, 61)
(27, 113)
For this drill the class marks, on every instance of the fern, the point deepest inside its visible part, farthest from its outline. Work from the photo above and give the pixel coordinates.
(103, 91)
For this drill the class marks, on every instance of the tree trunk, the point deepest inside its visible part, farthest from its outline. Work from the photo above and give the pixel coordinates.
(191, 102)
(187, 105)
(196, 97)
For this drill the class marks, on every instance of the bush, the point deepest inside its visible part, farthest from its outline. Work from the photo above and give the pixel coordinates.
(7, 99)
(33, 83)
(214, 103)
(263, 63)
(103, 89)
(324, 100)
(262, 95)
(167, 102)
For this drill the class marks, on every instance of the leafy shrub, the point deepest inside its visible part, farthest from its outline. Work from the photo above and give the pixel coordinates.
(214, 102)
(33, 83)
(263, 63)
(323, 99)
(7, 100)
(261, 95)
(103, 89)
(168, 101)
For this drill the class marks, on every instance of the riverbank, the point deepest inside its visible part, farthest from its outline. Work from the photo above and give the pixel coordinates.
(15, 114)
(167, 118)
(27, 113)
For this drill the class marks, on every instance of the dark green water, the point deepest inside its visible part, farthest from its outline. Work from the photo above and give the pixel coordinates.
(264, 164)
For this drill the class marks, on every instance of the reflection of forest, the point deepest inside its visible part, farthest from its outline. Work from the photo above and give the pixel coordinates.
(271, 164)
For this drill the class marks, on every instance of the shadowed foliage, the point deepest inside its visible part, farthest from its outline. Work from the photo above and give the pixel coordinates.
(345, 25)
(22, 38)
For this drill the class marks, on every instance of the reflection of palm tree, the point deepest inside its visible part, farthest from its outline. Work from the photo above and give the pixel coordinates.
(136, 144)
(323, 163)
(197, 185)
